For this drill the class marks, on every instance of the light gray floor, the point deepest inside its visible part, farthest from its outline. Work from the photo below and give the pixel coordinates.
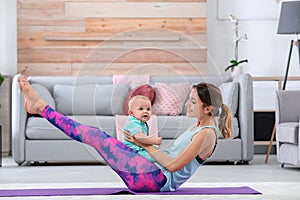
(270, 179)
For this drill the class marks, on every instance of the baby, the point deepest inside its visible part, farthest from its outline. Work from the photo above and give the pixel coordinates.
(139, 113)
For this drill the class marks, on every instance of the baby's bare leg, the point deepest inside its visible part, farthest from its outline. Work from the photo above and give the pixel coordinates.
(34, 104)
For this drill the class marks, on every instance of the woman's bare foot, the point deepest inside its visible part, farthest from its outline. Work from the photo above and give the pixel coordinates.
(34, 104)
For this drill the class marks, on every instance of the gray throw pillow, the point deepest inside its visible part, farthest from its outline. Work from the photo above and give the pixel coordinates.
(71, 100)
(90, 99)
(110, 98)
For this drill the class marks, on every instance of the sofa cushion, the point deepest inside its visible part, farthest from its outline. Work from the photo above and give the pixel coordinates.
(44, 94)
(170, 127)
(170, 98)
(287, 132)
(228, 150)
(40, 129)
(90, 99)
(145, 90)
(230, 94)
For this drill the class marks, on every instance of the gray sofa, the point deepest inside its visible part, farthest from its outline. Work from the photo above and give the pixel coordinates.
(96, 101)
(287, 112)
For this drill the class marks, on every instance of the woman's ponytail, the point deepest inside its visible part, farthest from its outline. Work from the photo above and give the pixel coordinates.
(225, 121)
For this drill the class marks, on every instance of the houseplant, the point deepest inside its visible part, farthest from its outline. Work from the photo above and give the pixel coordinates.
(234, 64)
(1, 79)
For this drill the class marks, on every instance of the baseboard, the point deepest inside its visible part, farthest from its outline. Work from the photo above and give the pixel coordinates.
(263, 149)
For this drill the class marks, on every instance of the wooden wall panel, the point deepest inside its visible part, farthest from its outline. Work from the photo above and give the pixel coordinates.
(108, 69)
(165, 69)
(122, 24)
(45, 69)
(157, 37)
(118, 40)
(145, 55)
(135, 9)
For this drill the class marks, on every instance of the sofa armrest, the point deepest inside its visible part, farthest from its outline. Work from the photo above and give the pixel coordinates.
(245, 115)
(297, 141)
(19, 117)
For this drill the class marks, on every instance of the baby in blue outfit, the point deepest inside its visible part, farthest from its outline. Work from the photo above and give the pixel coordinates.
(139, 113)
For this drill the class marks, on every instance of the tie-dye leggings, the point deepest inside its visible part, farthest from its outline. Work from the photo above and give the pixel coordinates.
(137, 172)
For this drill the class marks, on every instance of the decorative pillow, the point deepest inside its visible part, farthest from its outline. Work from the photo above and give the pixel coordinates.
(230, 94)
(75, 99)
(110, 98)
(145, 90)
(45, 94)
(170, 98)
(90, 99)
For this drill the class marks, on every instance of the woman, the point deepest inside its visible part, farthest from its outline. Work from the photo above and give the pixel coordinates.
(173, 166)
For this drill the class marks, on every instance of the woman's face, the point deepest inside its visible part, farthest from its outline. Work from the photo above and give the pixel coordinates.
(194, 105)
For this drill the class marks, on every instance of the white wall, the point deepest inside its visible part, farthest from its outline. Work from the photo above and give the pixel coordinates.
(8, 37)
(266, 51)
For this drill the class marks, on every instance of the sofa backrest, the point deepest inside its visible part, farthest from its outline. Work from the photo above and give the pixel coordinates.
(286, 106)
(91, 95)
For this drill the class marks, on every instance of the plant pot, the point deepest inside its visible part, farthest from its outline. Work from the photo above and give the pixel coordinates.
(236, 72)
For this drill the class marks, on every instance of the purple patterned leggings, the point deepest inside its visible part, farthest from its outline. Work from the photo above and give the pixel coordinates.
(137, 172)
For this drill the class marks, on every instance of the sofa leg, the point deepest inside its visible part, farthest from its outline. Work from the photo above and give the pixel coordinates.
(282, 165)
(242, 162)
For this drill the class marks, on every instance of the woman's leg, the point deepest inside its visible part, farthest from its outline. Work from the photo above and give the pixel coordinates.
(137, 172)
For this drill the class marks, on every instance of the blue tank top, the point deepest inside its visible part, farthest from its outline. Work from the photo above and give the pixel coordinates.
(175, 179)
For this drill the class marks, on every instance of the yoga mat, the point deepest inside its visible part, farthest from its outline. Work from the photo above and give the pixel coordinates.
(119, 191)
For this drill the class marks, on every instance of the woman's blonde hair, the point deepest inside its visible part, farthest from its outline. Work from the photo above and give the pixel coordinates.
(211, 95)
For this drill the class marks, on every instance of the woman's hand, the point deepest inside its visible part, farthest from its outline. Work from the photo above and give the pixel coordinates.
(128, 136)
(132, 139)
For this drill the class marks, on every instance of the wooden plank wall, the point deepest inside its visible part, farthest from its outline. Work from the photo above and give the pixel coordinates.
(106, 37)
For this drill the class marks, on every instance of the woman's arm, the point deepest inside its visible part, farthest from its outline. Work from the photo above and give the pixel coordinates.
(202, 144)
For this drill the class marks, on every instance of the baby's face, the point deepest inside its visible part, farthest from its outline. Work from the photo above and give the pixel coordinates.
(141, 110)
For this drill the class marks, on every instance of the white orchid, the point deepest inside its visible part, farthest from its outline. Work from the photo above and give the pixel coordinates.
(236, 39)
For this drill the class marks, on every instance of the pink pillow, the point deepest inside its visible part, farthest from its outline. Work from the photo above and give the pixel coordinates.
(170, 98)
(145, 90)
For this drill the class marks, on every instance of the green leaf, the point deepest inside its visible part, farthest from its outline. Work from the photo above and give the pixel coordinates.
(1, 79)
(234, 62)
(242, 61)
